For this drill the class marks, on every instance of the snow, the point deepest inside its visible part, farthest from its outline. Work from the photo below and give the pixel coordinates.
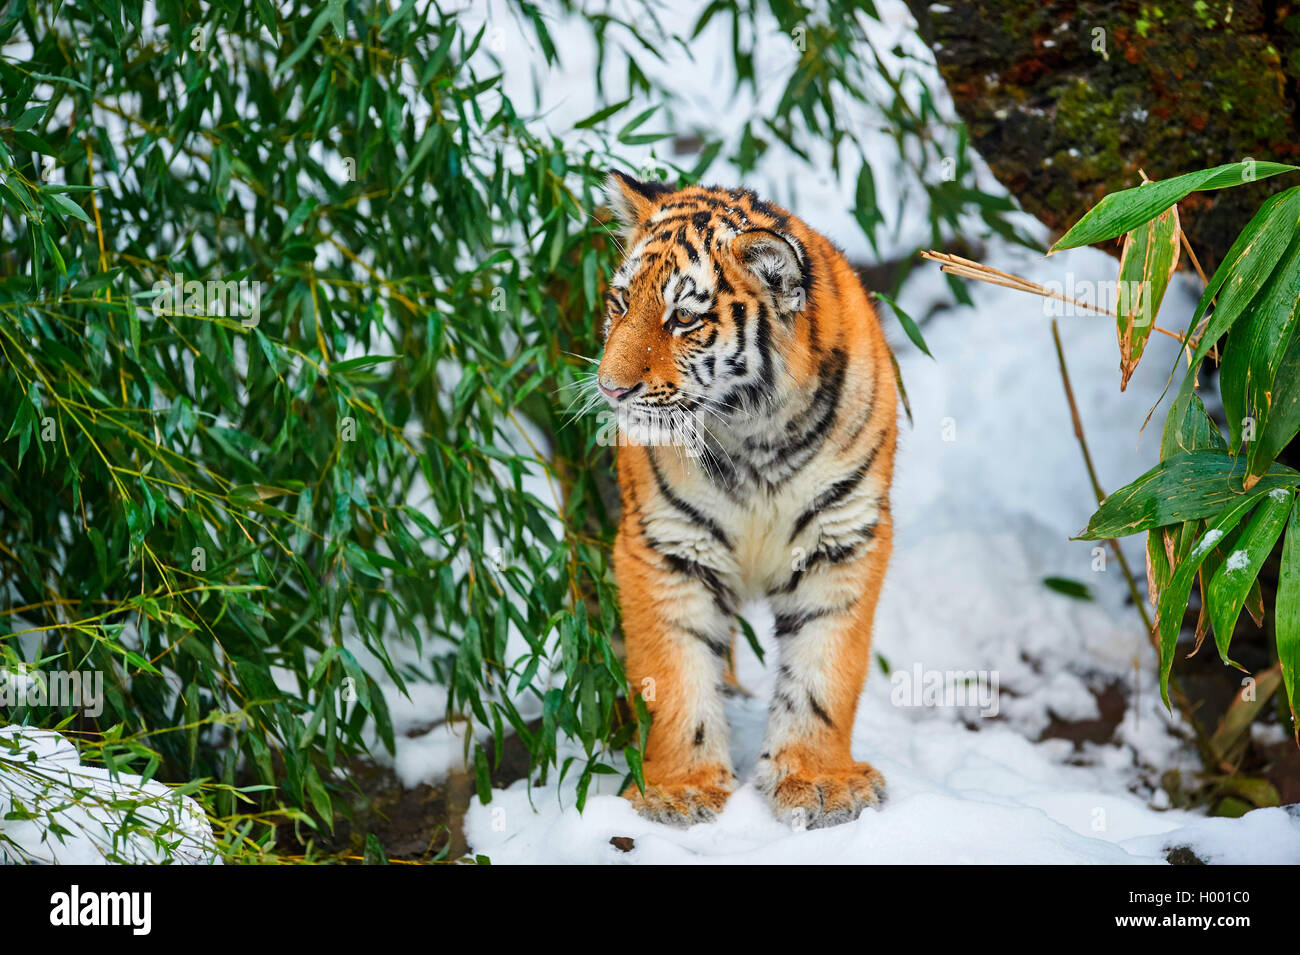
(1236, 561)
(118, 819)
(1211, 537)
(1262, 837)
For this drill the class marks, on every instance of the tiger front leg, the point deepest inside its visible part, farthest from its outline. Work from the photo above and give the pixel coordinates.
(676, 625)
(823, 630)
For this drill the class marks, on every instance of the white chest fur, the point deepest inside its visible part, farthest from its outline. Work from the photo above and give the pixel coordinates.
(760, 537)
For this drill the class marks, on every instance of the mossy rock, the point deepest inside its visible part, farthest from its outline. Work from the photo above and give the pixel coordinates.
(1068, 101)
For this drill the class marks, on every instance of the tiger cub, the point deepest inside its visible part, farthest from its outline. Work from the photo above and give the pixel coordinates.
(757, 409)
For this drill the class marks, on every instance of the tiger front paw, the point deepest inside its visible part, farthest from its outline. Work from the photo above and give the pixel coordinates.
(696, 798)
(818, 798)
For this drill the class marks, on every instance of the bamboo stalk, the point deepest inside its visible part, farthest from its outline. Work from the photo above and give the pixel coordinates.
(1096, 484)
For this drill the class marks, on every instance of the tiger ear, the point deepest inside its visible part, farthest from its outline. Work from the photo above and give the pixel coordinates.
(632, 200)
(778, 261)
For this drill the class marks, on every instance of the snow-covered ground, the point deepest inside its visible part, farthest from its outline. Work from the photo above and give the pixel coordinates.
(119, 818)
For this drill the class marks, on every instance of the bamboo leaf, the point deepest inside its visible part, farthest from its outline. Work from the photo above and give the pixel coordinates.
(1173, 601)
(1188, 486)
(1283, 421)
(1286, 611)
(1256, 349)
(1124, 211)
(1188, 426)
(601, 115)
(67, 206)
(313, 33)
(1251, 259)
(1226, 593)
(1147, 263)
(909, 326)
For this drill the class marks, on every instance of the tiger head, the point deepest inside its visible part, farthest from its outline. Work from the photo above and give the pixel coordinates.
(700, 314)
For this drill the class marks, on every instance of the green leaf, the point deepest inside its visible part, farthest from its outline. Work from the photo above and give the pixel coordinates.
(397, 16)
(357, 364)
(359, 682)
(1188, 486)
(1068, 588)
(750, 637)
(635, 123)
(1286, 613)
(313, 33)
(902, 387)
(707, 156)
(67, 206)
(601, 115)
(433, 134)
(266, 14)
(1188, 426)
(1173, 600)
(29, 118)
(1251, 259)
(320, 798)
(482, 775)
(1255, 350)
(53, 78)
(1226, 593)
(1166, 548)
(374, 852)
(635, 766)
(1124, 211)
(1283, 421)
(865, 207)
(910, 327)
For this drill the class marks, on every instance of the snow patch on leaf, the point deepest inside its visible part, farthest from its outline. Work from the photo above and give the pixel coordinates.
(1212, 537)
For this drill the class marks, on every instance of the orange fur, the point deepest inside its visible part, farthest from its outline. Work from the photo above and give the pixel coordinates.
(737, 324)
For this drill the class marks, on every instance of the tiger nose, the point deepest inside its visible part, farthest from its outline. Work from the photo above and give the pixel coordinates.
(614, 392)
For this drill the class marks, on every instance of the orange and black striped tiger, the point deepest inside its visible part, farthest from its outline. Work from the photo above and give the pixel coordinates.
(757, 406)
